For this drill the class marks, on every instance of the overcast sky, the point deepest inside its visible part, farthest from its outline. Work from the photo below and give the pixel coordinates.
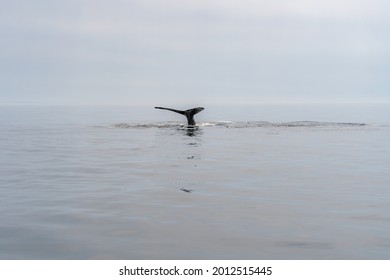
(194, 52)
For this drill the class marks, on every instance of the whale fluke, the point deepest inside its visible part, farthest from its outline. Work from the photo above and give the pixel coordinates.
(188, 113)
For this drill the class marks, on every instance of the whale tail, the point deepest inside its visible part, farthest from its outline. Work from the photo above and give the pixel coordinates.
(188, 113)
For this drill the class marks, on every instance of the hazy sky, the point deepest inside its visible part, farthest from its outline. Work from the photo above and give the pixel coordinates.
(194, 52)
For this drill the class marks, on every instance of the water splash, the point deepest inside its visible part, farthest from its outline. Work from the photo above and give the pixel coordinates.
(232, 124)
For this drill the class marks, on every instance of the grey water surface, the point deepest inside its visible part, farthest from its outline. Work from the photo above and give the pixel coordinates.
(133, 183)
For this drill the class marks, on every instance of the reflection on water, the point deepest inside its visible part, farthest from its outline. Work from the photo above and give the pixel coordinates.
(195, 134)
(192, 138)
(181, 155)
(192, 131)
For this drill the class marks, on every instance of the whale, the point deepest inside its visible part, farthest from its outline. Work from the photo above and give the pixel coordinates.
(188, 113)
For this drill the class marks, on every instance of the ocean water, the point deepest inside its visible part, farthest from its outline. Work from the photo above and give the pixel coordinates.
(266, 182)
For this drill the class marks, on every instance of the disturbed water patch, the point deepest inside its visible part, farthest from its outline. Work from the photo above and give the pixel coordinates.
(233, 124)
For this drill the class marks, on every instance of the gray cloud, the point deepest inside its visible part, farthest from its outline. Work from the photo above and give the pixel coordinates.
(194, 51)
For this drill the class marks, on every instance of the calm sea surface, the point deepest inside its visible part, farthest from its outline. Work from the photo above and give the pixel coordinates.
(269, 182)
